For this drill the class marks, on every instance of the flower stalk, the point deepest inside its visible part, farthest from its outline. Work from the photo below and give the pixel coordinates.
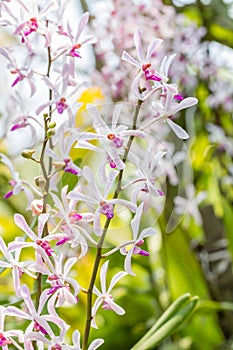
(98, 256)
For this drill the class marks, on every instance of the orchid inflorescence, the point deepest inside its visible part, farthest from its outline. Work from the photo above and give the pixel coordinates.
(72, 218)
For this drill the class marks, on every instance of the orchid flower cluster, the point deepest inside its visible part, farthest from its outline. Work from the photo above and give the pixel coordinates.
(117, 179)
(195, 56)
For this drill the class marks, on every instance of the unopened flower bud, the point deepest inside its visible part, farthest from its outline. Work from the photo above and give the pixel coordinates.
(40, 181)
(50, 133)
(28, 153)
(59, 166)
(37, 207)
(52, 125)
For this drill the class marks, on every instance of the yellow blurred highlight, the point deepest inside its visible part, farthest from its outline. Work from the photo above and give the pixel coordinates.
(7, 39)
(7, 227)
(91, 95)
(3, 146)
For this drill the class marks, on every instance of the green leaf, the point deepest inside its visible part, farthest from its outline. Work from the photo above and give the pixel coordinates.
(228, 219)
(221, 33)
(70, 179)
(213, 305)
(170, 320)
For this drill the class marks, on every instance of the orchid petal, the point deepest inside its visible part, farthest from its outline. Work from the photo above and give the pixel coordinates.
(152, 47)
(21, 223)
(41, 223)
(166, 64)
(115, 279)
(178, 130)
(103, 275)
(68, 265)
(99, 124)
(127, 264)
(135, 223)
(128, 58)
(187, 102)
(110, 181)
(138, 45)
(129, 205)
(95, 344)
(116, 115)
(116, 308)
(82, 24)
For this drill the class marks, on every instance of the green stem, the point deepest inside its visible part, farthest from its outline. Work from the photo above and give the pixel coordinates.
(46, 171)
(102, 238)
(84, 5)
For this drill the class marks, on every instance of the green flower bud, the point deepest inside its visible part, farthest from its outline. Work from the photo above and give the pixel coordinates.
(40, 181)
(50, 133)
(28, 153)
(52, 125)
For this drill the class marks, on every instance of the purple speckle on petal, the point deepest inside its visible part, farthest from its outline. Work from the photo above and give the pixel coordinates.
(53, 290)
(8, 194)
(109, 215)
(107, 209)
(3, 340)
(151, 76)
(18, 126)
(140, 242)
(61, 105)
(46, 246)
(63, 241)
(143, 253)
(71, 171)
(178, 97)
(112, 164)
(74, 51)
(118, 142)
(160, 193)
(39, 328)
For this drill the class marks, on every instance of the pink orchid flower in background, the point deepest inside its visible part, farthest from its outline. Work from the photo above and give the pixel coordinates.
(20, 73)
(218, 136)
(104, 296)
(189, 205)
(30, 21)
(133, 247)
(98, 201)
(144, 65)
(169, 105)
(17, 106)
(168, 164)
(75, 42)
(18, 268)
(17, 184)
